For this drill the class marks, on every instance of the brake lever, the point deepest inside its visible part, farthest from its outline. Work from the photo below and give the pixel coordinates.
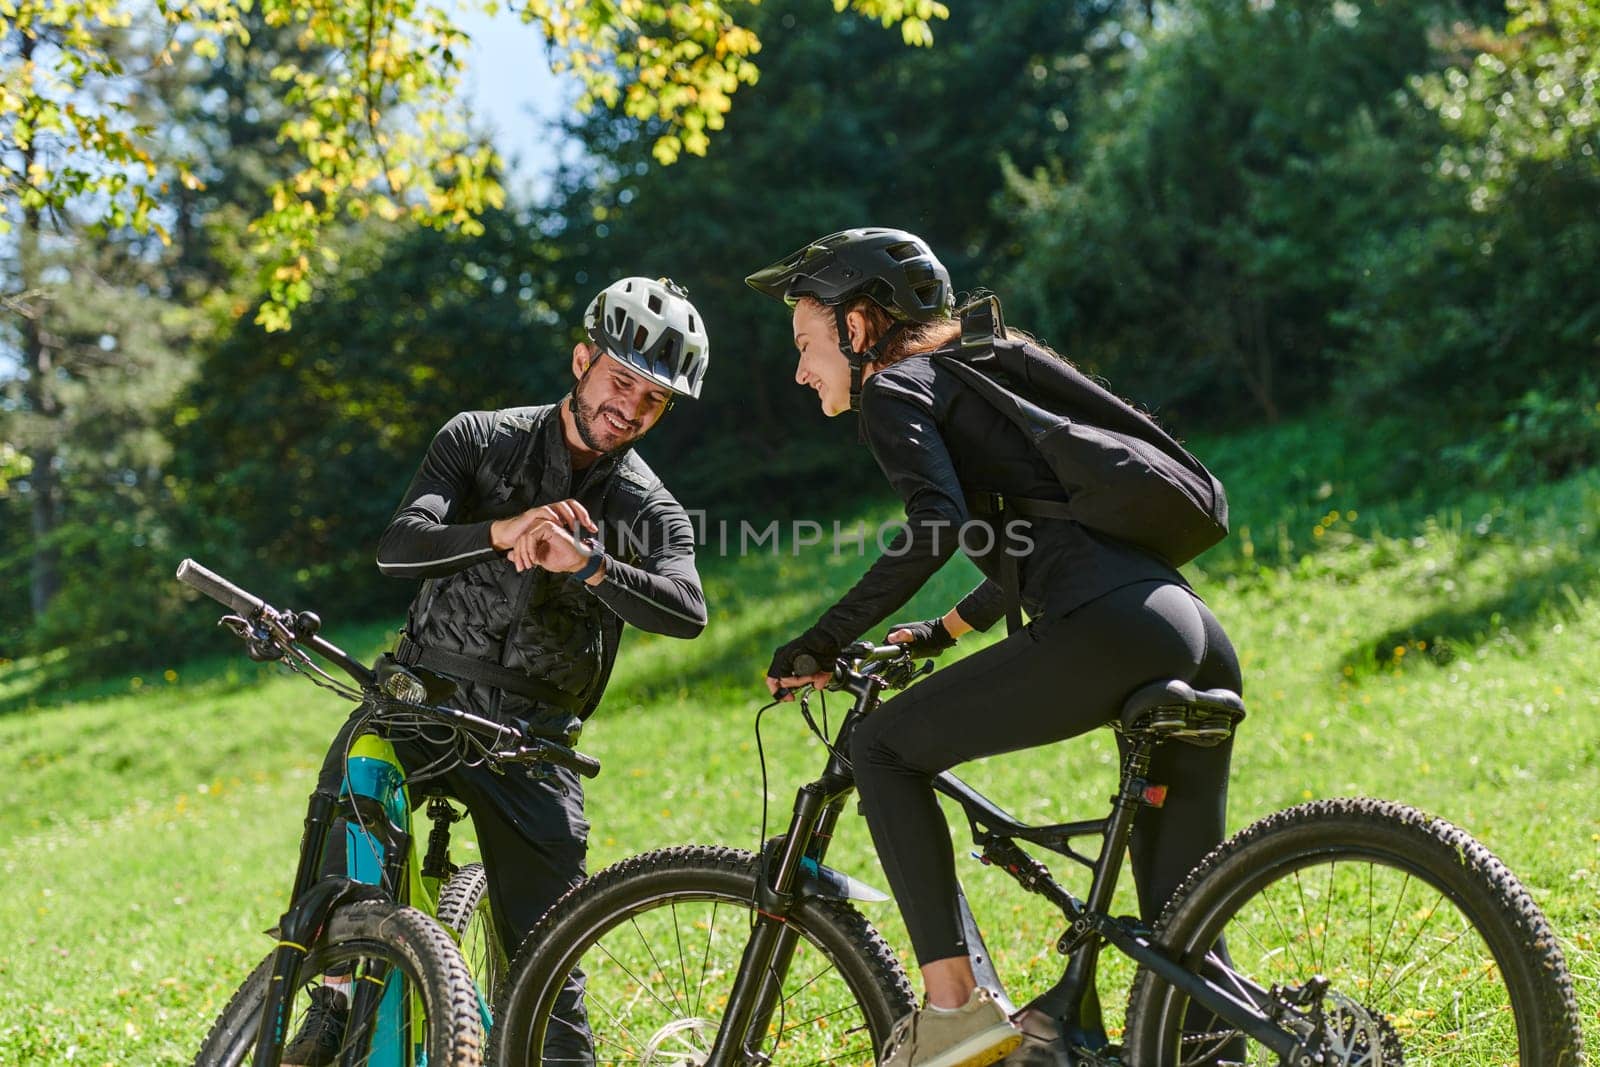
(259, 643)
(534, 761)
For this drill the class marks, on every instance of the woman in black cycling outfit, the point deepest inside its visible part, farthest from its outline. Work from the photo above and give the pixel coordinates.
(1105, 617)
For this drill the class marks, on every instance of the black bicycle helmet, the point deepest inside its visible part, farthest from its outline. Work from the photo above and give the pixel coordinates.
(895, 269)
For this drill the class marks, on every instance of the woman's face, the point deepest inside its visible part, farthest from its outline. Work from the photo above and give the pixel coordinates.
(822, 366)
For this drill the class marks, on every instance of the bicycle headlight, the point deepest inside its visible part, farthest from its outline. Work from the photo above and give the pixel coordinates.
(405, 686)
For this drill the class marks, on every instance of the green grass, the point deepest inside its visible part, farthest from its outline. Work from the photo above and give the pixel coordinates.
(1430, 645)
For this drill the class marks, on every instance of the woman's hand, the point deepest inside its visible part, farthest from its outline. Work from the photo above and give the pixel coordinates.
(930, 637)
(926, 638)
(822, 650)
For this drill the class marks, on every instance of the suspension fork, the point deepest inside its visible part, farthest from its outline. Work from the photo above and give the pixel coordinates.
(293, 943)
(757, 984)
(313, 898)
(788, 940)
(757, 988)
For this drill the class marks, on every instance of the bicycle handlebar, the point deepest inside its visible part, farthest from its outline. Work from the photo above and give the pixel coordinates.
(255, 609)
(851, 659)
(570, 758)
(219, 589)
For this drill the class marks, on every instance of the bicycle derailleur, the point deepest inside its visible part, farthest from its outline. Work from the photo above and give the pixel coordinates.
(1335, 1031)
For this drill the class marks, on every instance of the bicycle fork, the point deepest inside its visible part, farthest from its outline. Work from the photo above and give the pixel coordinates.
(314, 898)
(758, 987)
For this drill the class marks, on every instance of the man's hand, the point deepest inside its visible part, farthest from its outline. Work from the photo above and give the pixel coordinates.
(567, 514)
(551, 547)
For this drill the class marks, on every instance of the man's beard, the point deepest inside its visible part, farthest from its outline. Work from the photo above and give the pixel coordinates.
(593, 428)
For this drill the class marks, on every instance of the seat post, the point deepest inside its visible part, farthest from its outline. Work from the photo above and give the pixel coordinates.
(1119, 827)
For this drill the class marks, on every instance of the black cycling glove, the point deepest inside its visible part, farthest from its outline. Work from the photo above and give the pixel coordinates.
(814, 643)
(928, 638)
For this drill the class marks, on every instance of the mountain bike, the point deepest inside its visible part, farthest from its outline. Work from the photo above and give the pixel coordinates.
(397, 925)
(1349, 932)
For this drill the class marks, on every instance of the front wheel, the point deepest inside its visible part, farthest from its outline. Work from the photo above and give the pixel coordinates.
(427, 1012)
(635, 966)
(1433, 952)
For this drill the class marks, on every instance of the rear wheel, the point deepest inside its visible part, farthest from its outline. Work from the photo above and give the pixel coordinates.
(464, 911)
(427, 1010)
(656, 942)
(1433, 952)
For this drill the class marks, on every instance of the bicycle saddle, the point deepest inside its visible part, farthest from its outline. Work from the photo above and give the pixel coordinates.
(1177, 710)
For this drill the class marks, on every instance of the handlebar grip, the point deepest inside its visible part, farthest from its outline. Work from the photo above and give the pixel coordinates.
(805, 664)
(219, 588)
(562, 756)
(587, 766)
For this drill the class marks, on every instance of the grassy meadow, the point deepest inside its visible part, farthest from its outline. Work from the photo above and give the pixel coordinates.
(1402, 637)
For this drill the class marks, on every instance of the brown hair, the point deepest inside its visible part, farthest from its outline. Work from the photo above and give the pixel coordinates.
(915, 338)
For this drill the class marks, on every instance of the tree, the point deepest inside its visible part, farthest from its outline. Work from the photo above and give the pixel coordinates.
(293, 448)
(1486, 302)
(333, 116)
(86, 348)
(376, 129)
(840, 132)
(1198, 246)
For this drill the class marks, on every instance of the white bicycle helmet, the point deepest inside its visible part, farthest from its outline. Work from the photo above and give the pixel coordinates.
(650, 325)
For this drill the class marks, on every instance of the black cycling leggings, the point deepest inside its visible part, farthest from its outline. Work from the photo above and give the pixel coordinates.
(1057, 678)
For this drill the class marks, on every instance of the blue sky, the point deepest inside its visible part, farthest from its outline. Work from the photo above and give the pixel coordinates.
(512, 93)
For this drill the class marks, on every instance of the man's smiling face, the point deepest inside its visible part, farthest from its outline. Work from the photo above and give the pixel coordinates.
(612, 405)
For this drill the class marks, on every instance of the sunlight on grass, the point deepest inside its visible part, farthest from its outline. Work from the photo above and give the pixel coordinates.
(1440, 657)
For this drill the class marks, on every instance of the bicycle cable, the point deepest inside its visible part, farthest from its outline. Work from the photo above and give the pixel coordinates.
(761, 756)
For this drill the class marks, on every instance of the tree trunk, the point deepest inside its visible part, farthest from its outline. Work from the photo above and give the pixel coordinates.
(40, 401)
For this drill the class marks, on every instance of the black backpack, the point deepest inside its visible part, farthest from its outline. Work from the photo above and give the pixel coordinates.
(1123, 475)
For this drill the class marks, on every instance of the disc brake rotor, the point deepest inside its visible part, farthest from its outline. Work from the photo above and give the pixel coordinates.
(680, 1043)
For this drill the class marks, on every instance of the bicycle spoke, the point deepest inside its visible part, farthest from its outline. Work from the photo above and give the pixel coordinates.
(808, 983)
(830, 1059)
(643, 986)
(1399, 905)
(1305, 919)
(1395, 980)
(705, 962)
(1372, 962)
(683, 968)
(615, 1017)
(813, 1022)
(1327, 916)
(1288, 942)
(654, 960)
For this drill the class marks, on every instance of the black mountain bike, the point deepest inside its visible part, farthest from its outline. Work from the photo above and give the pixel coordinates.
(415, 999)
(1356, 932)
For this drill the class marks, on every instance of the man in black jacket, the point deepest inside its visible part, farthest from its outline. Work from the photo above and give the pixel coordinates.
(538, 533)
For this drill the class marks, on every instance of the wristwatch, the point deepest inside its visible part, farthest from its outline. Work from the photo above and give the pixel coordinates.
(597, 557)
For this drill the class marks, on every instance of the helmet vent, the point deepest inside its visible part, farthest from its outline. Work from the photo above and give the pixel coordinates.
(903, 251)
(654, 302)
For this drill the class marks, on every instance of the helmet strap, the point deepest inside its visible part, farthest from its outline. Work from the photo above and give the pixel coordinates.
(858, 360)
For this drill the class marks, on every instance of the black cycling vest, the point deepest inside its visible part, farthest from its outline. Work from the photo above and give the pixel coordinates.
(485, 466)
